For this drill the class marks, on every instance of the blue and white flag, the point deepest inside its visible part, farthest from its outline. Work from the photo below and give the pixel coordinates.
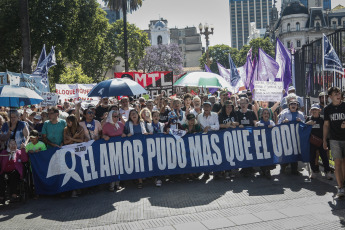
(43, 66)
(331, 61)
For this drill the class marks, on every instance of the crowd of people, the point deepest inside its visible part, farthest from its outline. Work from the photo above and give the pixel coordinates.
(35, 128)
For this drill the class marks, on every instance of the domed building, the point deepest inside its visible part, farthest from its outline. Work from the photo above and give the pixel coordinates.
(159, 32)
(299, 24)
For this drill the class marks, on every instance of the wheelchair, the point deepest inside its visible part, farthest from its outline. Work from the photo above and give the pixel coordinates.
(24, 188)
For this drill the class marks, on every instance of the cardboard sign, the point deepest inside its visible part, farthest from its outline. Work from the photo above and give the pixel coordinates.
(50, 99)
(268, 90)
(155, 83)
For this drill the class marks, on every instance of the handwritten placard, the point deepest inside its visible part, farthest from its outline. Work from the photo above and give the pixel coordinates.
(268, 91)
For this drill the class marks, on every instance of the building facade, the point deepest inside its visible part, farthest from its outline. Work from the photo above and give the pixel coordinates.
(188, 40)
(242, 13)
(300, 25)
(112, 15)
(325, 4)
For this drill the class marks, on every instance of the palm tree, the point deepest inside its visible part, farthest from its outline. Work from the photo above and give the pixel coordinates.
(132, 5)
(25, 33)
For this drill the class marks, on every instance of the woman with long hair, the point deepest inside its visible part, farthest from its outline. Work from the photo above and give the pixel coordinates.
(73, 132)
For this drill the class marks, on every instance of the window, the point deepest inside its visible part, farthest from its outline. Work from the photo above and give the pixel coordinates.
(298, 26)
(288, 45)
(334, 25)
(318, 26)
(298, 43)
(343, 24)
(288, 27)
(159, 40)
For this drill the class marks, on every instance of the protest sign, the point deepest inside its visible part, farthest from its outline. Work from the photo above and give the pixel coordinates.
(26, 81)
(49, 99)
(140, 156)
(268, 91)
(155, 83)
(77, 92)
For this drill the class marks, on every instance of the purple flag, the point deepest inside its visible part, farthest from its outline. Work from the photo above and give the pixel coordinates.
(267, 67)
(248, 69)
(211, 90)
(254, 75)
(283, 58)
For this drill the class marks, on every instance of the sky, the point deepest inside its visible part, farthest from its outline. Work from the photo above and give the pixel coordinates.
(183, 13)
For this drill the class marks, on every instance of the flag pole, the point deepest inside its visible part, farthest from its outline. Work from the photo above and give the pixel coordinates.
(323, 69)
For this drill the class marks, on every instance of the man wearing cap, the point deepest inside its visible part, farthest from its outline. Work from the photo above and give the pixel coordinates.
(317, 122)
(287, 115)
(208, 120)
(322, 102)
(284, 103)
(335, 125)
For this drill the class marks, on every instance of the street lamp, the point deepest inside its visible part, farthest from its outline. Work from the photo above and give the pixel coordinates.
(206, 33)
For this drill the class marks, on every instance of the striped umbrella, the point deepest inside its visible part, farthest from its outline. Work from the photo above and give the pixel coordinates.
(16, 96)
(203, 79)
(116, 87)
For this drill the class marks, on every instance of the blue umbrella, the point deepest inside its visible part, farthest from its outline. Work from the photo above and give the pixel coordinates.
(16, 96)
(116, 87)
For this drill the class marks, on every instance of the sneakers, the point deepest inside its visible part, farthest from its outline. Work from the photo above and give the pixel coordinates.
(158, 183)
(329, 176)
(341, 192)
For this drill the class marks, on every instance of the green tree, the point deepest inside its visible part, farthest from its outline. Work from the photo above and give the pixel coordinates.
(220, 54)
(123, 5)
(265, 44)
(137, 42)
(74, 74)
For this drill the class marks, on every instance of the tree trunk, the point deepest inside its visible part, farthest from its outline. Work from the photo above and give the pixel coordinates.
(25, 31)
(124, 8)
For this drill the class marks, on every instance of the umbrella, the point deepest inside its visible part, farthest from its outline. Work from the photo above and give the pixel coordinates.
(16, 96)
(116, 87)
(203, 79)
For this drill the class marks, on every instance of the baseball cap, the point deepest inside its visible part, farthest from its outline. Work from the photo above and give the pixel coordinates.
(207, 103)
(315, 106)
(34, 134)
(291, 88)
(190, 116)
(322, 94)
(37, 117)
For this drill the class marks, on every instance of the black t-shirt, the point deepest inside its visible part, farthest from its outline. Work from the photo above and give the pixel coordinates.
(335, 115)
(246, 119)
(317, 129)
(100, 111)
(164, 117)
(216, 107)
(223, 118)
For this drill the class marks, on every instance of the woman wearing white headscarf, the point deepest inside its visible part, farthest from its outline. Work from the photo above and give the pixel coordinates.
(113, 126)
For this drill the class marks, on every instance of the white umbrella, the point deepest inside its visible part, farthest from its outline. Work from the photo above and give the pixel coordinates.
(203, 79)
(16, 96)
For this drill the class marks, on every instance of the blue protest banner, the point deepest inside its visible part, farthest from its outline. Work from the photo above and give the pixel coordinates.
(140, 156)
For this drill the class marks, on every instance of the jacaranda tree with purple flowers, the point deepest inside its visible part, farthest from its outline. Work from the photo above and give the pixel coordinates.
(162, 58)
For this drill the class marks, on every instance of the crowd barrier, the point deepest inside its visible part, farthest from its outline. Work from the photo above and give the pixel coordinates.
(140, 156)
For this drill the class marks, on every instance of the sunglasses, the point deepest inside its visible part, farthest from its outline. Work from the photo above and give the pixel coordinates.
(115, 116)
(91, 113)
(293, 103)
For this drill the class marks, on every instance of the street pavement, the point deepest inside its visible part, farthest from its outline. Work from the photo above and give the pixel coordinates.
(284, 202)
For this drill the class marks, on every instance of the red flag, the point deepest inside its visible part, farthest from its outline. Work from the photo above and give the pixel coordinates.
(193, 93)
